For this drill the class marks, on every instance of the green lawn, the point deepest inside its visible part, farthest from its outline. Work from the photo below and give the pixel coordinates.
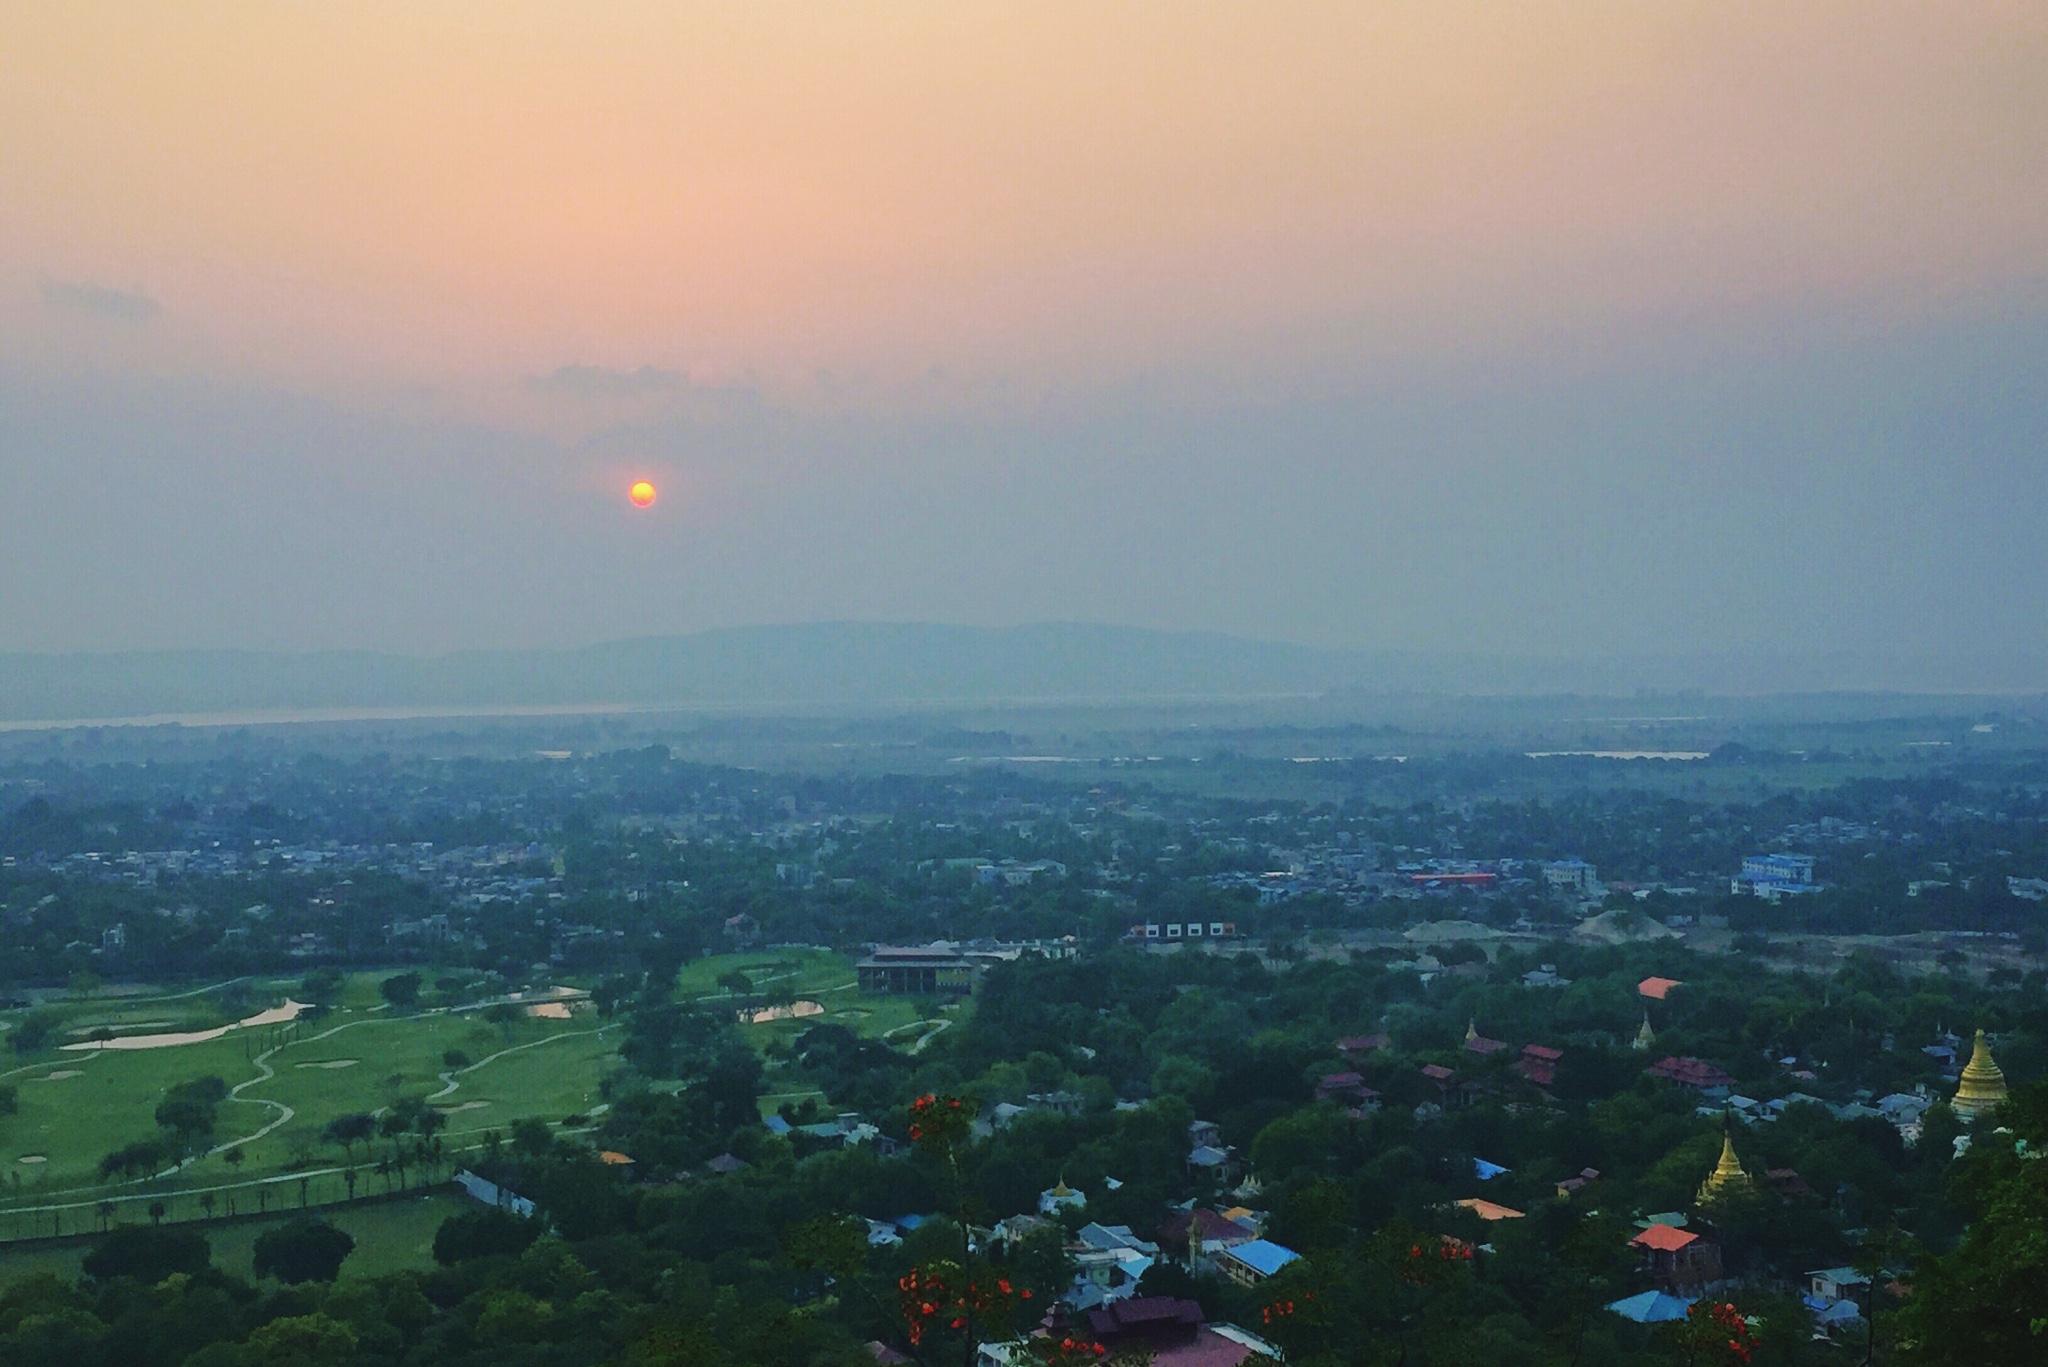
(74, 1107)
(390, 1236)
(784, 975)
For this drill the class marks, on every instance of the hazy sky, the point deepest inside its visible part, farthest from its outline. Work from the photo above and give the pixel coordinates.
(1523, 327)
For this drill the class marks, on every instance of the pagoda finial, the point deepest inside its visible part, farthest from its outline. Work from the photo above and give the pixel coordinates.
(1728, 1178)
(1645, 1037)
(1982, 1086)
(1471, 1029)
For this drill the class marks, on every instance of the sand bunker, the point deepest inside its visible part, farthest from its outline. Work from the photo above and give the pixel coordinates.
(31, 1158)
(60, 1075)
(470, 1106)
(276, 1015)
(549, 1011)
(333, 1063)
(795, 1010)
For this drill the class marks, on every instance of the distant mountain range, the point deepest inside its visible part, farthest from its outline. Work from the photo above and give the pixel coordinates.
(866, 664)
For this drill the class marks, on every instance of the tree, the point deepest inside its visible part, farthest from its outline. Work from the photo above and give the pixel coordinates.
(34, 1033)
(401, 990)
(322, 986)
(148, 1254)
(482, 1233)
(302, 1251)
(358, 1127)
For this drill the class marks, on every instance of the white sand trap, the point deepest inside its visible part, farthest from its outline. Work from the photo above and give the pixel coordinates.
(470, 1106)
(60, 1075)
(276, 1015)
(549, 1011)
(794, 1011)
(31, 1158)
(333, 1063)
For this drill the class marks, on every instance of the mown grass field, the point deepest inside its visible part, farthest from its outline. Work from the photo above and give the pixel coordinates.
(786, 975)
(391, 1236)
(290, 1081)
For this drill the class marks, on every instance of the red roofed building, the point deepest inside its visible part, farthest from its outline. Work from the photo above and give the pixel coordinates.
(1363, 1044)
(1691, 1072)
(1173, 1333)
(1538, 1063)
(1678, 1260)
(1345, 1087)
(1657, 989)
(1476, 1043)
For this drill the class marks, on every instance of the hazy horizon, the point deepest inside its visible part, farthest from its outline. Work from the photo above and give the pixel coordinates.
(1588, 333)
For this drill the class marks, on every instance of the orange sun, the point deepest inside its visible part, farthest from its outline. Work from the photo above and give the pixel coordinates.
(642, 494)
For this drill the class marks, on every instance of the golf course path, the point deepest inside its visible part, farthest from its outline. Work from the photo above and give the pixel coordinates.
(264, 1073)
(448, 1078)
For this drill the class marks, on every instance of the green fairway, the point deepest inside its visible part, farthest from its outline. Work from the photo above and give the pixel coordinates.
(781, 976)
(286, 1083)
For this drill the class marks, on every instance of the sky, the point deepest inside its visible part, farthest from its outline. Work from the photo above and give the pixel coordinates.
(1535, 329)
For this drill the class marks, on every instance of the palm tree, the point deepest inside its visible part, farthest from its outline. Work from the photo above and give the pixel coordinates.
(105, 1210)
(206, 1203)
(157, 1211)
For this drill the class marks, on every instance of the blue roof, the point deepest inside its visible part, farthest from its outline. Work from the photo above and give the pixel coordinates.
(1487, 1171)
(776, 1125)
(1264, 1256)
(1651, 1307)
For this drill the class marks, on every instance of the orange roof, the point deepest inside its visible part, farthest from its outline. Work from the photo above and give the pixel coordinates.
(1664, 1238)
(1488, 1210)
(1657, 988)
(614, 1158)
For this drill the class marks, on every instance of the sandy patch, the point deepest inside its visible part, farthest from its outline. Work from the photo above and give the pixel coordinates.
(549, 1011)
(60, 1075)
(794, 1011)
(80, 1032)
(276, 1015)
(470, 1106)
(333, 1063)
(31, 1158)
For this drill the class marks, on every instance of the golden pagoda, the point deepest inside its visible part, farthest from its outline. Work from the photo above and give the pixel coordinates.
(1982, 1086)
(1645, 1037)
(1727, 1180)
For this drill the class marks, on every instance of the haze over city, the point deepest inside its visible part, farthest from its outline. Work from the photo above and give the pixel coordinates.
(1552, 331)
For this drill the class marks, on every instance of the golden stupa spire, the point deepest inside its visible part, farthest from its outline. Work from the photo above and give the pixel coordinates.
(1728, 1178)
(1645, 1037)
(1471, 1030)
(1983, 1083)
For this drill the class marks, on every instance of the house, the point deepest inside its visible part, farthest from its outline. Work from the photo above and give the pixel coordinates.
(1544, 975)
(1109, 1262)
(1651, 1307)
(917, 970)
(1787, 1182)
(1657, 989)
(1200, 1233)
(1171, 1333)
(1348, 1087)
(1476, 1043)
(1486, 1171)
(1837, 1284)
(1538, 1064)
(1205, 1134)
(1692, 1072)
(1252, 1262)
(1774, 876)
(1357, 1046)
(1571, 875)
(1678, 1260)
(1570, 1185)
(724, 1165)
(1488, 1210)
(491, 1194)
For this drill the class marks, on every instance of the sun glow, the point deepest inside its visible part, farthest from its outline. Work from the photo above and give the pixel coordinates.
(642, 494)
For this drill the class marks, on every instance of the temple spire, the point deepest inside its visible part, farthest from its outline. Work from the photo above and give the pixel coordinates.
(1982, 1086)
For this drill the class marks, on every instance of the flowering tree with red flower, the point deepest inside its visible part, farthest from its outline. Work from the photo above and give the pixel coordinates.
(955, 1295)
(1715, 1331)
